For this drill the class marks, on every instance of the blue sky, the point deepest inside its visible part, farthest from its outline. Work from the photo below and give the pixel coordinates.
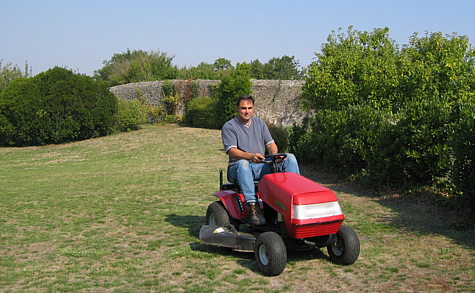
(81, 34)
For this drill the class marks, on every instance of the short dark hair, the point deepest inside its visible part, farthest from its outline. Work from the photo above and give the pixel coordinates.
(245, 97)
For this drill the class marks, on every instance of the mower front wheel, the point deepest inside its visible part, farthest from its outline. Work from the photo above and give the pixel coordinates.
(346, 249)
(270, 253)
(217, 215)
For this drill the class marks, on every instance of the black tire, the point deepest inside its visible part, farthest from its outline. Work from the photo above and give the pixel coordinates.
(346, 249)
(270, 253)
(217, 215)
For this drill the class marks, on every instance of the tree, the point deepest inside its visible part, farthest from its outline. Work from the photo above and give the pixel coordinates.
(257, 70)
(354, 68)
(8, 73)
(222, 64)
(232, 86)
(438, 67)
(387, 114)
(202, 71)
(136, 66)
(284, 68)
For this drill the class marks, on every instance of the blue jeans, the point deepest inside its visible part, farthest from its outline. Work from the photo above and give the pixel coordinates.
(245, 173)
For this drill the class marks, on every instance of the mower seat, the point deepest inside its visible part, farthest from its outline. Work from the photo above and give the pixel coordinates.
(228, 186)
(238, 188)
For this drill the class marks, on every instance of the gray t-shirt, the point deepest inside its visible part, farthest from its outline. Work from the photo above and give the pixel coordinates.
(252, 138)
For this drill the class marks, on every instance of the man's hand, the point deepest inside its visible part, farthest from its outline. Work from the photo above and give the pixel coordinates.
(257, 158)
(238, 155)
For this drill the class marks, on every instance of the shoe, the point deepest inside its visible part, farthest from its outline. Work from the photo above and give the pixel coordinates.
(256, 215)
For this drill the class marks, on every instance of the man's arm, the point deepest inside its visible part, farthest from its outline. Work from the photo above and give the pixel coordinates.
(238, 155)
(272, 148)
(256, 158)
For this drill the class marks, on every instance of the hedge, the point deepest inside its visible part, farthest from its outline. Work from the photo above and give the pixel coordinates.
(55, 106)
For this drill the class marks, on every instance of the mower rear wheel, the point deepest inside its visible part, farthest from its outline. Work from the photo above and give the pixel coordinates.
(270, 253)
(346, 249)
(217, 215)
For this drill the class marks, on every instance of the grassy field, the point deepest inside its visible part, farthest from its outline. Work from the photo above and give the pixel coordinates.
(122, 214)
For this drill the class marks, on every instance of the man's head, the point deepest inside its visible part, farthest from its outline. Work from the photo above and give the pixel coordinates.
(244, 97)
(245, 108)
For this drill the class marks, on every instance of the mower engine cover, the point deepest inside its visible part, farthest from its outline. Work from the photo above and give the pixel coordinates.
(308, 208)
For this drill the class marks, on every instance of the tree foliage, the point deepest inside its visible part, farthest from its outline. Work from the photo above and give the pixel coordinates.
(206, 71)
(231, 87)
(9, 72)
(202, 71)
(221, 64)
(353, 68)
(463, 142)
(437, 67)
(55, 106)
(136, 66)
(283, 68)
(386, 113)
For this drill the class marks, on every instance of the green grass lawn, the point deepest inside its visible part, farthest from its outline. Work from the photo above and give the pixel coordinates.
(122, 214)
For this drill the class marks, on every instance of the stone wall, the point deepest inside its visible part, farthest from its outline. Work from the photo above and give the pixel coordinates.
(277, 101)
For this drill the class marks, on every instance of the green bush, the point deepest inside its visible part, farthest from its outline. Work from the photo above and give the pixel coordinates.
(341, 140)
(360, 130)
(385, 112)
(131, 114)
(463, 144)
(154, 114)
(414, 151)
(201, 112)
(300, 141)
(171, 104)
(168, 88)
(280, 136)
(55, 106)
(405, 149)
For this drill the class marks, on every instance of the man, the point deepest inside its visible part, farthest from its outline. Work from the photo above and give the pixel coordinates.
(245, 140)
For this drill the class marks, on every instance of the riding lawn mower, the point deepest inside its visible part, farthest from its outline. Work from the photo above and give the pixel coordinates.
(300, 215)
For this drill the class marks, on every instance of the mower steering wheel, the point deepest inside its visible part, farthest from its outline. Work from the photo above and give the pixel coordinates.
(276, 158)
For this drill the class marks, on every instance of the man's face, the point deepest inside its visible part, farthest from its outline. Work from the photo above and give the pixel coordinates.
(245, 111)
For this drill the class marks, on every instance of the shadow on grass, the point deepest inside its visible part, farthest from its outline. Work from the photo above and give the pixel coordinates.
(244, 259)
(414, 215)
(192, 223)
(247, 259)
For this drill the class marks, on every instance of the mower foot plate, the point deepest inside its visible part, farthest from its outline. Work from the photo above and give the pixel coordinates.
(227, 237)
